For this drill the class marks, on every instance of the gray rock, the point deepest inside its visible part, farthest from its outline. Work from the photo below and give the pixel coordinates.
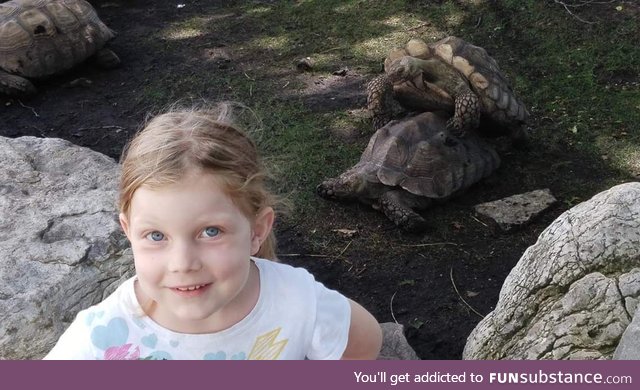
(516, 210)
(569, 295)
(394, 344)
(61, 248)
(629, 346)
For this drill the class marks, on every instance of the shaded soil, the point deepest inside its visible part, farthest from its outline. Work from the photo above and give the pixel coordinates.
(437, 284)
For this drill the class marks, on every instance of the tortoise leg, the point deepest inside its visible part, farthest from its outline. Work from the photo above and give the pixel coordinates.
(335, 189)
(466, 116)
(13, 85)
(106, 59)
(379, 95)
(397, 206)
(326, 189)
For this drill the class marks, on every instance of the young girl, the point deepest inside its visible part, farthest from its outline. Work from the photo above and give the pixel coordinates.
(194, 206)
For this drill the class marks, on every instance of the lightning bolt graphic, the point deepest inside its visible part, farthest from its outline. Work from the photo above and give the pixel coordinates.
(265, 347)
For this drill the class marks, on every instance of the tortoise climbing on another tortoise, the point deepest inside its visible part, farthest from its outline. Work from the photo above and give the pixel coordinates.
(408, 164)
(451, 75)
(39, 38)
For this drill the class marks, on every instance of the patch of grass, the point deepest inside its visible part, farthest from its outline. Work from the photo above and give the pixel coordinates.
(568, 71)
(299, 151)
(581, 81)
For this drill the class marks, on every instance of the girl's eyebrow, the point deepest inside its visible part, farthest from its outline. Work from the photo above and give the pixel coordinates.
(217, 218)
(143, 221)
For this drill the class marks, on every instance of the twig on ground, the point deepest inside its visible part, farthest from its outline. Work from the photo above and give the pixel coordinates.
(580, 3)
(391, 307)
(302, 254)
(339, 257)
(418, 26)
(460, 296)
(39, 131)
(361, 270)
(430, 244)
(100, 128)
(345, 248)
(99, 140)
(478, 22)
(479, 221)
(332, 49)
(31, 108)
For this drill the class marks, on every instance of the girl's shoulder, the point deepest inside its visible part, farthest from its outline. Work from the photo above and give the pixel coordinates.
(122, 301)
(271, 270)
(292, 281)
(98, 327)
(119, 306)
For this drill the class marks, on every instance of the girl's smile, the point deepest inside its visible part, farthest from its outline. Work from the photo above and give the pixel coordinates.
(192, 291)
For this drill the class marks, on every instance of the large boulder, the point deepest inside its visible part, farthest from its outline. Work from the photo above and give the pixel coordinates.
(61, 248)
(573, 292)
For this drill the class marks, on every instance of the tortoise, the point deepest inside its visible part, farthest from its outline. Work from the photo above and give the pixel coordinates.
(453, 76)
(410, 163)
(39, 38)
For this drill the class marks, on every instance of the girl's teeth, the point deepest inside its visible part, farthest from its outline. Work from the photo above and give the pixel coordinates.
(190, 288)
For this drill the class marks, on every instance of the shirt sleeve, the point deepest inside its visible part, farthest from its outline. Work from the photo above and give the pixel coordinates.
(331, 328)
(75, 343)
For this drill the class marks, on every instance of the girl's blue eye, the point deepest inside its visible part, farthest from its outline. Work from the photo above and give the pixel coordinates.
(211, 231)
(155, 236)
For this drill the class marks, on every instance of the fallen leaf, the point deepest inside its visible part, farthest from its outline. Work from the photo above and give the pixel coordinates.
(416, 323)
(472, 293)
(346, 232)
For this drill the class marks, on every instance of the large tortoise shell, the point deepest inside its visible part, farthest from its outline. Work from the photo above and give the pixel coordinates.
(479, 68)
(416, 155)
(42, 37)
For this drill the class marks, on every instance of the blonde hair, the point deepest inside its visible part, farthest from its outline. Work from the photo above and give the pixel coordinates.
(179, 140)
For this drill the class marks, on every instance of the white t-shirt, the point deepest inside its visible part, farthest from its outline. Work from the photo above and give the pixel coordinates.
(295, 318)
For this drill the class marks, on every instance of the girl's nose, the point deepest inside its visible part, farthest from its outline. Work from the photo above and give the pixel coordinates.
(184, 258)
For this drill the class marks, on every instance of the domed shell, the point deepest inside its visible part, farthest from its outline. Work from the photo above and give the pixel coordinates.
(416, 155)
(42, 37)
(484, 75)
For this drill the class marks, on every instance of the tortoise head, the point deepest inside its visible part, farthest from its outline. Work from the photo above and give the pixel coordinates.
(393, 56)
(403, 69)
(399, 69)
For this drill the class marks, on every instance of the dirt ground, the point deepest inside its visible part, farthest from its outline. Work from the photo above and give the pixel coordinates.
(437, 284)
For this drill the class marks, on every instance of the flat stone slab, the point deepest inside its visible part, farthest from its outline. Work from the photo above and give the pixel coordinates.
(517, 210)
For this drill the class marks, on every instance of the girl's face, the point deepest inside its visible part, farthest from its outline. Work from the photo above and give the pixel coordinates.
(191, 246)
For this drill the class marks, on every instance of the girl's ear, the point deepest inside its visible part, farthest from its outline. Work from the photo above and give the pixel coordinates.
(124, 223)
(261, 228)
